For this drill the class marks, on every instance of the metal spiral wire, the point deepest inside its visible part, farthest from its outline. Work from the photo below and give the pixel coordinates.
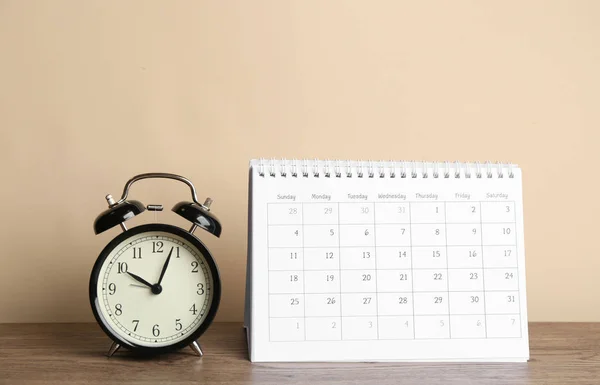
(303, 168)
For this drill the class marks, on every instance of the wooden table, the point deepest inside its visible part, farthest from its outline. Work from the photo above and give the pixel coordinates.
(561, 353)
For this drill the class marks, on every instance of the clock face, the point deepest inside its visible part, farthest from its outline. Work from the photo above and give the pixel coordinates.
(155, 286)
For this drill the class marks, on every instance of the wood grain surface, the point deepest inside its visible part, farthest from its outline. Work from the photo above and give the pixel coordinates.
(561, 353)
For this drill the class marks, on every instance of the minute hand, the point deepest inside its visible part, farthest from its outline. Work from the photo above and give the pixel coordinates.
(164, 269)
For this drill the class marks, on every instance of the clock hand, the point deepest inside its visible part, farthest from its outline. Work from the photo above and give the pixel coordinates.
(140, 279)
(164, 269)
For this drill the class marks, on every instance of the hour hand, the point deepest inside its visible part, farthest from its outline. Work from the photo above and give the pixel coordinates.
(140, 279)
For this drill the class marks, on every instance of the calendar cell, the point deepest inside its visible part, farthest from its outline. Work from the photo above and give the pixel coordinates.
(286, 282)
(467, 326)
(392, 235)
(463, 212)
(466, 279)
(432, 326)
(428, 235)
(359, 304)
(321, 258)
(430, 280)
(357, 258)
(395, 303)
(392, 213)
(431, 303)
(503, 326)
(286, 329)
(393, 258)
(427, 212)
(429, 257)
(359, 328)
(285, 236)
(502, 302)
(394, 281)
(286, 305)
(357, 235)
(500, 256)
(465, 257)
(320, 281)
(358, 281)
(497, 212)
(496, 234)
(357, 213)
(502, 279)
(318, 305)
(462, 302)
(464, 234)
(321, 236)
(285, 214)
(320, 214)
(396, 328)
(324, 329)
(286, 259)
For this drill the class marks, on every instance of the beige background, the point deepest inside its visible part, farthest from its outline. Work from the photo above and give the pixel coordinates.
(93, 92)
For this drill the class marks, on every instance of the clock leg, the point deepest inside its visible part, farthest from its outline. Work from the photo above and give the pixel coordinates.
(196, 348)
(113, 349)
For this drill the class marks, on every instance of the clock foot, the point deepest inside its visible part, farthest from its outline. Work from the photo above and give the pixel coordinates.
(113, 349)
(196, 348)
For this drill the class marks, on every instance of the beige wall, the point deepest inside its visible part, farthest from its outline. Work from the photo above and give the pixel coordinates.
(93, 92)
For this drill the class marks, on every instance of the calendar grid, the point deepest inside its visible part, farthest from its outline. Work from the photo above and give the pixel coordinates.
(424, 268)
(361, 247)
(393, 291)
(375, 256)
(303, 273)
(391, 316)
(268, 280)
(420, 223)
(404, 202)
(412, 275)
(340, 271)
(483, 269)
(447, 271)
(517, 264)
(352, 248)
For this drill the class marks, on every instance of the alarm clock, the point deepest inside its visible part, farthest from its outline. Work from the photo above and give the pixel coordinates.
(155, 287)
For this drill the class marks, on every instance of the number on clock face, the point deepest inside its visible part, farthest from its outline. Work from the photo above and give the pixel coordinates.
(154, 289)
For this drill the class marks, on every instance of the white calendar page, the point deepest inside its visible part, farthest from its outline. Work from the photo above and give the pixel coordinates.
(415, 268)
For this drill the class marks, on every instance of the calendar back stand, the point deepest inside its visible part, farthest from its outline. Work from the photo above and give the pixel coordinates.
(385, 261)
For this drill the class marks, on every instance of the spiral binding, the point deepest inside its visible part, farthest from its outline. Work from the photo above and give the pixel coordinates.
(302, 168)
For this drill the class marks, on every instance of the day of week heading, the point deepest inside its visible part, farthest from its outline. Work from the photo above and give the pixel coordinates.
(321, 197)
(287, 197)
(496, 195)
(358, 196)
(392, 196)
(426, 196)
(466, 196)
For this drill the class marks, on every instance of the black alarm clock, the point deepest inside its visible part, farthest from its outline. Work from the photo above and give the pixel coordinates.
(155, 287)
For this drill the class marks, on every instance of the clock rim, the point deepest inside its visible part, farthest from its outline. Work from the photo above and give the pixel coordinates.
(216, 289)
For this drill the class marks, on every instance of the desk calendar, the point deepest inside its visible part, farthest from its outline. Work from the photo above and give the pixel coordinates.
(385, 261)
